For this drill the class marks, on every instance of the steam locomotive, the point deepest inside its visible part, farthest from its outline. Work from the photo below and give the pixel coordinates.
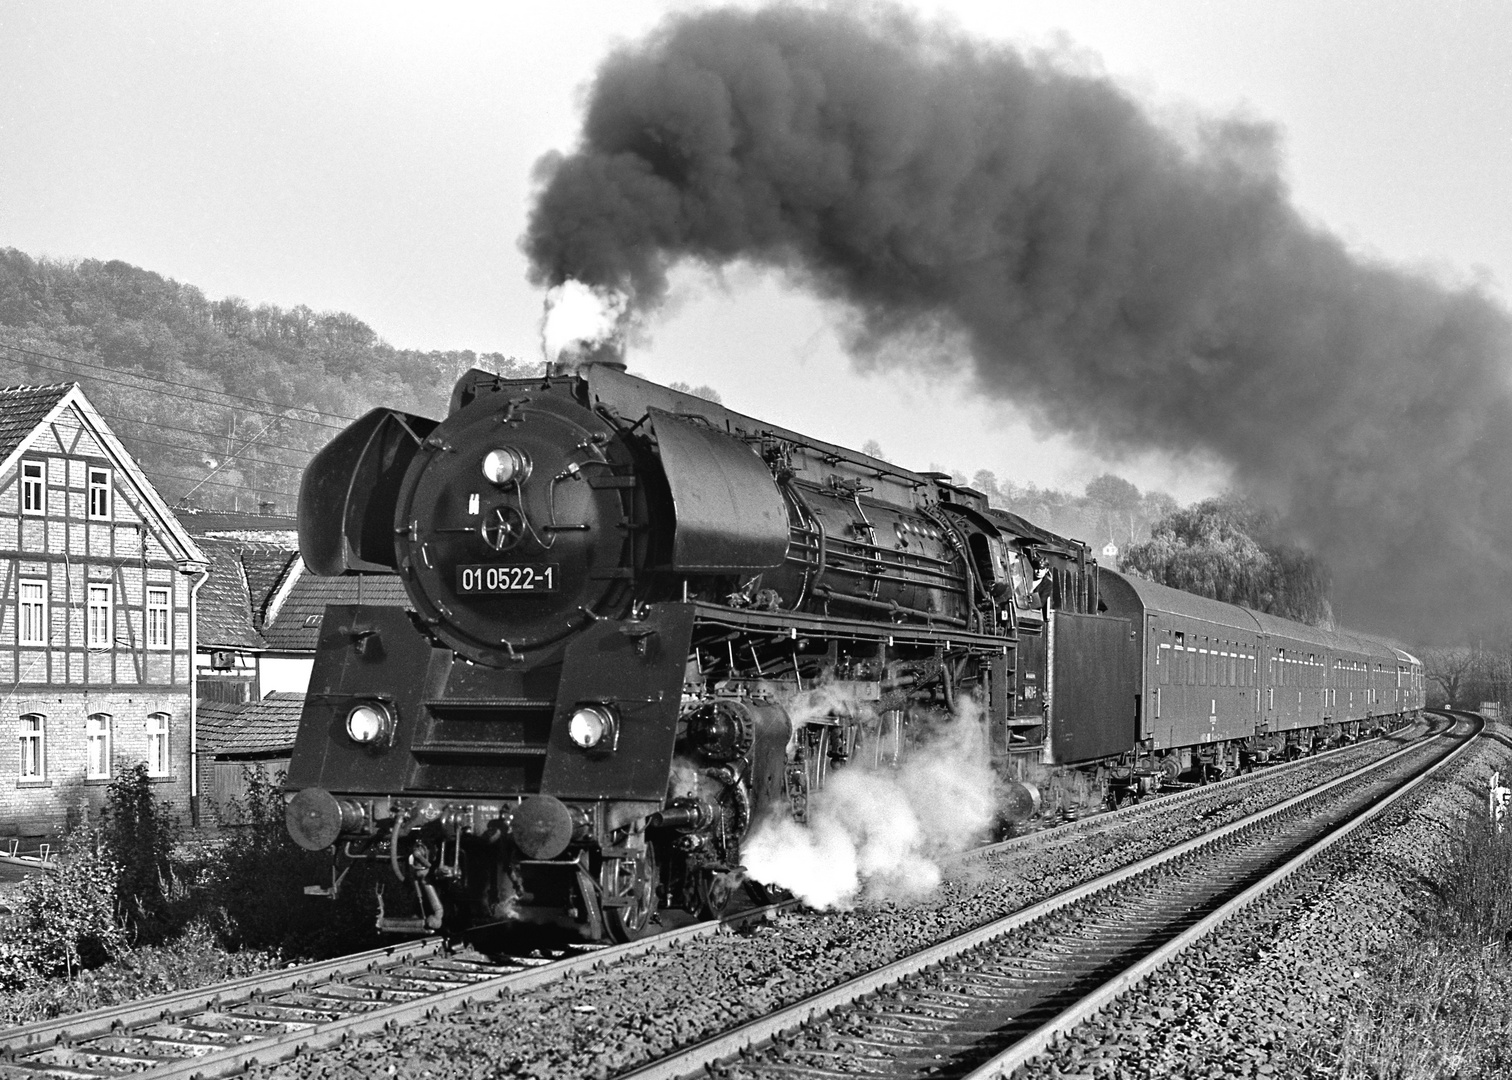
(639, 623)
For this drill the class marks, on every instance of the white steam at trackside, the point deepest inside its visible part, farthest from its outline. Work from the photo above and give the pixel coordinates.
(881, 832)
(581, 323)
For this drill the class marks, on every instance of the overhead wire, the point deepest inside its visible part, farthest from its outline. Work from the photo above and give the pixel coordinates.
(251, 459)
(160, 379)
(158, 426)
(246, 489)
(182, 397)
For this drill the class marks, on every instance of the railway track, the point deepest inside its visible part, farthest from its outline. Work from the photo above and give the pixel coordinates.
(1171, 798)
(981, 1004)
(220, 1030)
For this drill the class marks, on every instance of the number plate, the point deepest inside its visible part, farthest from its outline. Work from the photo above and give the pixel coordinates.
(500, 580)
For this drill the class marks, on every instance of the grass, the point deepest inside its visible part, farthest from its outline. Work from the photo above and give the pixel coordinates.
(1438, 1004)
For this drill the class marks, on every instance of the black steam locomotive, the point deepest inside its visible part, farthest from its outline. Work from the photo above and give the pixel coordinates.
(639, 622)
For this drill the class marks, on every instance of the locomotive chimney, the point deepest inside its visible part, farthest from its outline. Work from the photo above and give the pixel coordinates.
(607, 353)
(582, 355)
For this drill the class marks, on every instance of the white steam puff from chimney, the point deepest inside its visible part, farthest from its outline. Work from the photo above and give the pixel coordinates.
(580, 320)
(879, 832)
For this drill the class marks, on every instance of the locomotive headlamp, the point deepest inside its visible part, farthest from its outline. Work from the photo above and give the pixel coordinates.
(594, 727)
(506, 465)
(369, 723)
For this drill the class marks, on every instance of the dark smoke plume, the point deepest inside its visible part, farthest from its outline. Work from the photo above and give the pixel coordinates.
(1139, 288)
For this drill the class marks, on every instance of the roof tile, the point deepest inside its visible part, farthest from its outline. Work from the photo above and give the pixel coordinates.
(275, 530)
(252, 727)
(225, 604)
(296, 625)
(22, 408)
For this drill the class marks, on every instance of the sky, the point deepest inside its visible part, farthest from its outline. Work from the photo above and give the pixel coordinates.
(377, 159)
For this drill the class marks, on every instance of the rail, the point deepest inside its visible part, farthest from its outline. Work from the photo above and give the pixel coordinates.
(315, 1005)
(985, 983)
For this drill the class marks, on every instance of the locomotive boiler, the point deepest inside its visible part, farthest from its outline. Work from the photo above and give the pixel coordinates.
(638, 622)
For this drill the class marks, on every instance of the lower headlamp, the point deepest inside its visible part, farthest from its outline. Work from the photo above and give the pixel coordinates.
(594, 727)
(369, 723)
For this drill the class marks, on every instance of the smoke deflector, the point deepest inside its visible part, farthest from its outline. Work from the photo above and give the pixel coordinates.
(730, 515)
(349, 494)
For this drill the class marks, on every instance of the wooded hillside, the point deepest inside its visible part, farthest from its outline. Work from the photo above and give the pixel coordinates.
(221, 402)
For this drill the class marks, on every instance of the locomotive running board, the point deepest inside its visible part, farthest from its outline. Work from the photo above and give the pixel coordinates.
(792, 623)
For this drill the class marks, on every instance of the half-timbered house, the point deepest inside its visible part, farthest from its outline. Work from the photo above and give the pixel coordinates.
(97, 594)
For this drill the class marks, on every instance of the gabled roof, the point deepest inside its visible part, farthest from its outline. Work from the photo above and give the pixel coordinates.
(246, 578)
(268, 574)
(274, 530)
(1152, 596)
(225, 602)
(24, 410)
(293, 622)
(251, 727)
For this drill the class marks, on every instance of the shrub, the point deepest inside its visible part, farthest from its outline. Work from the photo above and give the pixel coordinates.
(214, 910)
(139, 832)
(66, 920)
(257, 885)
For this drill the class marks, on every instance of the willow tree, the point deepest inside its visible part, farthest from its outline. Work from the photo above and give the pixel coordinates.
(1227, 549)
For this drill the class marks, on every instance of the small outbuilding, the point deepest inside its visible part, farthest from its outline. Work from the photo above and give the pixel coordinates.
(238, 738)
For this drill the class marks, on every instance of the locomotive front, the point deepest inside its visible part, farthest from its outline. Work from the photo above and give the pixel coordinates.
(516, 746)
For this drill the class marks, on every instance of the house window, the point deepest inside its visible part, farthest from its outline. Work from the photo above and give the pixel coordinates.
(33, 749)
(99, 493)
(32, 623)
(157, 618)
(97, 747)
(157, 744)
(34, 487)
(98, 631)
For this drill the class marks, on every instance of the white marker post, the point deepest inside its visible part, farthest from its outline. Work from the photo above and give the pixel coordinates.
(1500, 796)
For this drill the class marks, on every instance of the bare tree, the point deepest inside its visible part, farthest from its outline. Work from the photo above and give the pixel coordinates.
(1452, 668)
(1493, 674)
